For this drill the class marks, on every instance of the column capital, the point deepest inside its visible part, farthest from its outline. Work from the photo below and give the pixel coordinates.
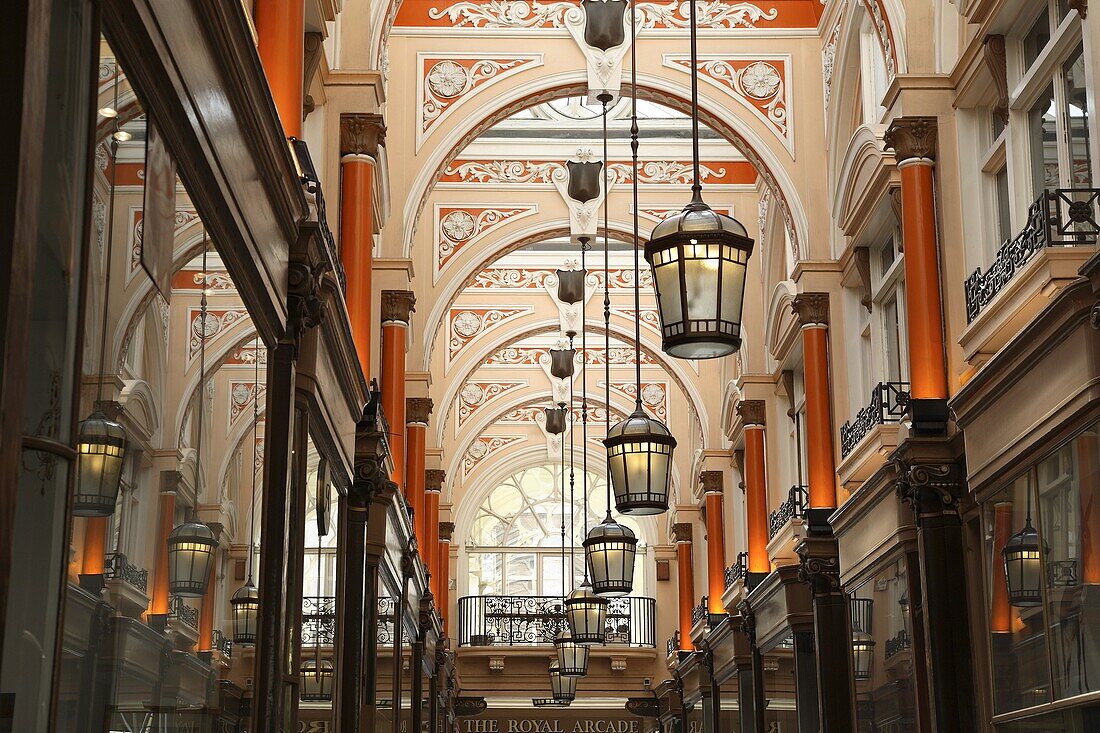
(398, 306)
(819, 565)
(752, 412)
(912, 137)
(418, 410)
(446, 531)
(362, 134)
(433, 479)
(811, 309)
(1081, 6)
(681, 532)
(929, 488)
(711, 481)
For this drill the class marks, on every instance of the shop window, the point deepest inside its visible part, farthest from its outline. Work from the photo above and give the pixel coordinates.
(514, 545)
(1045, 625)
(888, 296)
(873, 72)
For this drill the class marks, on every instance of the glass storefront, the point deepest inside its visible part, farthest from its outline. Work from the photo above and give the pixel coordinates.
(1042, 550)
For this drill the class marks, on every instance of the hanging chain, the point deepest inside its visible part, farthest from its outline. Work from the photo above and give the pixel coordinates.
(634, 192)
(202, 368)
(255, 457)
(607, 303)
(109, 247)
(696, 186)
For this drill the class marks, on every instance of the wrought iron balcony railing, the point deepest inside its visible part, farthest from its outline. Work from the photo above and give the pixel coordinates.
(700, 612)
(178, 610)
(318, 620)
(888, 403)
(795, 506)
(119, 568)
(536, 620)
(672, 645)
(222, 643)
(1062, 217)
(738, 570)
(897, 643)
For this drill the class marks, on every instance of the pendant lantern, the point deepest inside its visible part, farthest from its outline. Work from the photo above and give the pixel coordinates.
(863, 652)
(100, 451)
(586, 614)
(610, 550)
(191, 548)
(1024, 567)
(563, 688)
(316, 680)
(572, 657)
(639, 449)
(245, 605)
(571, 286)
(699, 259)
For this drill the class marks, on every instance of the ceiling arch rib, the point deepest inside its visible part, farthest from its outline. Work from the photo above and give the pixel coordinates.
(670, 92)
(680, 375)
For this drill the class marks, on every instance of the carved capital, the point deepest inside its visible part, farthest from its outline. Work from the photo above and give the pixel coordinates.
(433, 479)
(912, 137)
(820, 571)
(362, 134)
(752, 412)
(681, 532)
(929, 489)
(711, 481)
(811, 308)
(1081, 6)
(370, 483)
(418, 410)
(446, 531)
(397, 306)
(748, 620)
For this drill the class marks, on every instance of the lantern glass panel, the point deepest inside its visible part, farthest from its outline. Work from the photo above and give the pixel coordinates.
(191, 549)
(101, 449)
(863, 651)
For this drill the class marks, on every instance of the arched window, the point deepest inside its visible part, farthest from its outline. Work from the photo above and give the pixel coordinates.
(514, 544)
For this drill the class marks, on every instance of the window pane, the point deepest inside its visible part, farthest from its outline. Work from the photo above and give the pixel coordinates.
(1020, 663)
(1077, 121)
(485, 574)
(1067, 485)
(891, 330)
(519, 575)
(1037, 38)
(1004, 207)
(1043, 139)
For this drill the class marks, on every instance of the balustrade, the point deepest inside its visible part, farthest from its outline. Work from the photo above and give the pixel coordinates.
(535, 620)
(117, 567)
(794, 507)
(888, 403)
(1063, 217)
(737, 572)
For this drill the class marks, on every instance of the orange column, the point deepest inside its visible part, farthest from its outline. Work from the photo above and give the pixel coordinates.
(433, 488)
(1000, 621)
(417, 411)
(914, 142)
(812, 310)
(206, 614)
(166, 519)
(360, 137)
(716, 541)
(443, 598)
(752, 414)
(685, 582)
(94, 560)
(280, 35)
(397, 307)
